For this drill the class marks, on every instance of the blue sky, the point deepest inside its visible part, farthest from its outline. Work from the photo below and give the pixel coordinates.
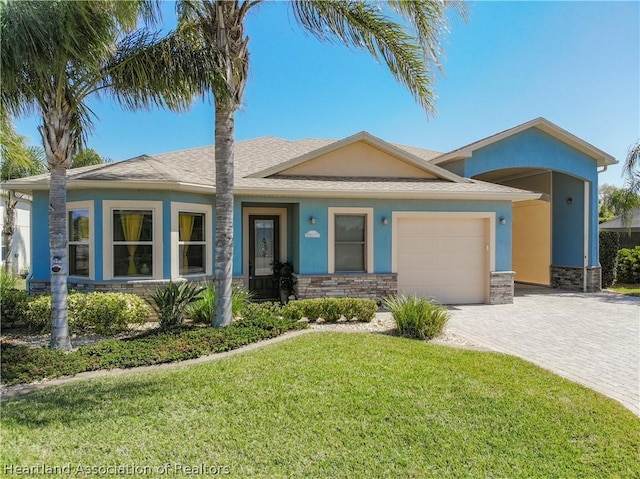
(575, 63)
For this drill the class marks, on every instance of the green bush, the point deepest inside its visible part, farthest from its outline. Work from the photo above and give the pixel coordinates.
(609, 246)
(21, 364)
(628, 267)
(332, 309)
(171, 302)
(417, 317)
(8, 281)
(203, 310)
(13, 303)
(100, 313)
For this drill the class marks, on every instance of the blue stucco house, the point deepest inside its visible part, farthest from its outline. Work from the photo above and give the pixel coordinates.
(358, 216)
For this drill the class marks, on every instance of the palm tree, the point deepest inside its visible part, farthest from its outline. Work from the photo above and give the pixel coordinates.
(409, 46)
(631, 170)
(55, 54)
(18, 161)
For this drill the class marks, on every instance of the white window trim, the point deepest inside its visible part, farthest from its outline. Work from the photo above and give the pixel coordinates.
(490, 216)
(107, 227)
(176, 209)
(246, 212)
(368, 212)
(84, 205)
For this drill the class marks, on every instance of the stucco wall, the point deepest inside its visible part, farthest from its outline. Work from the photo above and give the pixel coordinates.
(534, 148)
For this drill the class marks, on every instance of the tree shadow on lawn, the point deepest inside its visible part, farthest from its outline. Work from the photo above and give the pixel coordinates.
(80, 403)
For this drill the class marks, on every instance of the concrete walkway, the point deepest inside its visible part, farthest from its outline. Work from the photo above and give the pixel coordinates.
(592, 339)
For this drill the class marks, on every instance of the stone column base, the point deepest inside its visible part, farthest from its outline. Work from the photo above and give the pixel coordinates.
(501, 287)
(572, 278)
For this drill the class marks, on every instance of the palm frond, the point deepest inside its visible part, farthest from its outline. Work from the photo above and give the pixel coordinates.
(411, 54)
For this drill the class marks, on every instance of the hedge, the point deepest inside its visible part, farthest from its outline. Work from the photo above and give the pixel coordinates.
(609, 246)
(628, 268)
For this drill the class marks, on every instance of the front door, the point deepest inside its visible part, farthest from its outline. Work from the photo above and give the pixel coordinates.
(264, 241)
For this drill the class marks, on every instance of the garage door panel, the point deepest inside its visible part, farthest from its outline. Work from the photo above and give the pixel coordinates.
(442, 258)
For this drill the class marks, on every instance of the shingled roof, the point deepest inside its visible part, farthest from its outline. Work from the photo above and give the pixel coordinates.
(194, 170)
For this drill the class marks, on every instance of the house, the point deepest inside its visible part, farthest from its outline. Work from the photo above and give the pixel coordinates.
(21, 244)
(629, 233)
(357, 216)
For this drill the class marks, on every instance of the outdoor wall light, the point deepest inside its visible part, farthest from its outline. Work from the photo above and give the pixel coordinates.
(385, 221)
(312, 220)
(503, 220)
(569, 200)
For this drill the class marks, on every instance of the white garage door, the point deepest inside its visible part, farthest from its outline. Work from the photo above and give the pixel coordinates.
(442, 258)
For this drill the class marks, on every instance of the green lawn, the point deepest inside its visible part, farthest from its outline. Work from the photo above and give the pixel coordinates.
(628, 289)
(331, 405)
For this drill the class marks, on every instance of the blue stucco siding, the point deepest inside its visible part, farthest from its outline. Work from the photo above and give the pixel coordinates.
(534, 148)
(308, 254)
(40, 249)
(314, 251)
(531, 148)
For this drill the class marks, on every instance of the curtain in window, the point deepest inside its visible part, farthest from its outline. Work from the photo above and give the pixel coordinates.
(131, 227)
(84, 227)
(186, 228)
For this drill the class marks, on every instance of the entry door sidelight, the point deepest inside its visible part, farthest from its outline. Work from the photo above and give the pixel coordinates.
(264, 242)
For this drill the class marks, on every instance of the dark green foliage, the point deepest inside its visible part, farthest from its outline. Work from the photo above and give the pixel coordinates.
(286, 280)
(609, 246)
(203, 310)
(417, 317)
(628, 267)
(21, 364)
(100, 313)
(332, 309)
(171, 302)
(13, 303)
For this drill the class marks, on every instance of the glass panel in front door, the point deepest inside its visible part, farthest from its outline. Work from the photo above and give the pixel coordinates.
(263, 247)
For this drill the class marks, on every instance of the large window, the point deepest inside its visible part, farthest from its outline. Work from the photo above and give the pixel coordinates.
(80, 239)
(132, 242)
(350, 240)
(191, 242)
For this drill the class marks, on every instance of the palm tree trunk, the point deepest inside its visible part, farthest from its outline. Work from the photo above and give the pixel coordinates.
(57, 138)
(224, 134)
(8, 229)
(58, 248)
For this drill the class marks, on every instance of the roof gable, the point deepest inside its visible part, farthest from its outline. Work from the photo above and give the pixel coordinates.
(361, 155)
(602, 158)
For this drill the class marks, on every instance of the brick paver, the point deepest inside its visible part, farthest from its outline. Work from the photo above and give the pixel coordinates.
(592, 339)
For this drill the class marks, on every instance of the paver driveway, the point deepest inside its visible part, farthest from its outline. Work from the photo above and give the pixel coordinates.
(592, 339)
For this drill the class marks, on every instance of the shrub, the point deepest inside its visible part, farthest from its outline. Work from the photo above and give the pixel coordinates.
(609, 246)
(331, 309)
(8, 281)
(21, 364)
(203, 310)
(171, 302)
(417, 317)
(100, 313)
(628, 268)
(13, 303)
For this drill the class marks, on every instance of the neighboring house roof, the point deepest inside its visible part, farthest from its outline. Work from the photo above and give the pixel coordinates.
(602, 158)
(259, 168)
(617, 224)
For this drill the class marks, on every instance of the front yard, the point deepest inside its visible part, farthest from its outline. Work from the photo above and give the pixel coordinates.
(330, 405)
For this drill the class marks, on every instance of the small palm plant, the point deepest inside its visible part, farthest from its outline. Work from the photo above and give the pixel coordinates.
(203, 309)
(172, 301)
(417, 317)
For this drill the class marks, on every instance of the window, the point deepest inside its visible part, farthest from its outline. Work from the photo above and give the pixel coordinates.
(132, 242)
(350, 244)
(80, 257)
(79, 235)
(191, 232)
(350, 240)
(132, 246)
(191, 242)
